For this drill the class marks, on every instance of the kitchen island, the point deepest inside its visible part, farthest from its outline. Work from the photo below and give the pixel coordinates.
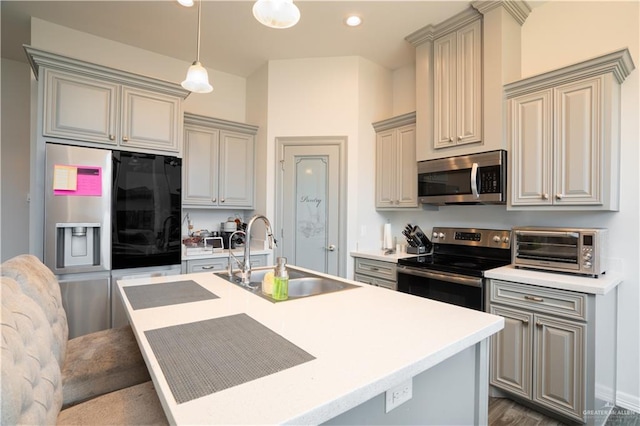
(345, 351)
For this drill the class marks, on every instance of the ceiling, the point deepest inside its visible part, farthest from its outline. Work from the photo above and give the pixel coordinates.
(232, 40)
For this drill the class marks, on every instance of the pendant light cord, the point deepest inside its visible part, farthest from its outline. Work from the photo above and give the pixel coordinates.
(198, 42)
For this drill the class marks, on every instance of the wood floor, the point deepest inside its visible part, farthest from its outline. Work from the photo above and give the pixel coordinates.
(505, 412)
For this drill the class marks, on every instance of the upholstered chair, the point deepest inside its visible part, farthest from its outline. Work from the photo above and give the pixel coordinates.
(31, 378)
(91, 365)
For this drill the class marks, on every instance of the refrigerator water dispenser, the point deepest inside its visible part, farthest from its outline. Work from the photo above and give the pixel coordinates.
(78, 244)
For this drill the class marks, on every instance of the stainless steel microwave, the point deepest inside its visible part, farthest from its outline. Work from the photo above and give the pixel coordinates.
(465, 179)
(574, 250)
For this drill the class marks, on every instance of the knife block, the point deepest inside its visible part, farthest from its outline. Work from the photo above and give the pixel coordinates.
(417, 250)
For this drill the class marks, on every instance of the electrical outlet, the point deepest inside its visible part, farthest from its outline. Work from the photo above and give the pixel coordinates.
(399, 395)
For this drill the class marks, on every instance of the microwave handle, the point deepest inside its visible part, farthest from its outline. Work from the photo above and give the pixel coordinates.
(474, 180)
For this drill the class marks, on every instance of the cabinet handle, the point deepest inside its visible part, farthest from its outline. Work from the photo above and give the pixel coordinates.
(222, 200)
(538, 324)
(214, 199)
(545, 196)
(459, 138)
(112, 137)
(374, 269)
(450, 139)
(534, 298)
(125, 138)
(525, 321)
(208, 267)
(558, 196)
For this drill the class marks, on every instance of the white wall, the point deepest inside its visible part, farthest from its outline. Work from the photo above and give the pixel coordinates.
(404, 90)
(227, 100)
(556, 34)
(338, 96)
(15, 149)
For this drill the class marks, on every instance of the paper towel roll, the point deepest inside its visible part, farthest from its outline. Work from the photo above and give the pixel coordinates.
(388, 241)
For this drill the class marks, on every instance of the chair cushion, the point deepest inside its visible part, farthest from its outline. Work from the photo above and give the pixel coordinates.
(38, 282)
(31, 384)
(136, 405)
(101, 362)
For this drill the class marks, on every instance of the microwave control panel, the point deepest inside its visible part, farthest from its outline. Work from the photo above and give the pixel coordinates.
(490, 180)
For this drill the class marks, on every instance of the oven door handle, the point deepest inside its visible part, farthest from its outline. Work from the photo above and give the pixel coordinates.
(442, 276)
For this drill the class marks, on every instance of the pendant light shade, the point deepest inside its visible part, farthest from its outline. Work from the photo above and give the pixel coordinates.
(197, 80)
(276, 13)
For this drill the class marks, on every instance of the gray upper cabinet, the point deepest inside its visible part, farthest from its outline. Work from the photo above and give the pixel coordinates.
(86, 103)
(563, 129)
(457, 87)
(396, 166)
(218, 169)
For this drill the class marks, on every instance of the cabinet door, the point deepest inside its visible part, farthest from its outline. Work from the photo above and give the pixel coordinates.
(578, 143)
(150, 120)
(200, 174)
(407, 167)
(386, 173)
(236, 170)
(468, 125)
(530, 132)
(559, 365)
(444, 90)
(80, 108)
(511, 365)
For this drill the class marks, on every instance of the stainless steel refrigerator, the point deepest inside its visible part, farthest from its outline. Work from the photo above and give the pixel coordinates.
(108, 215)
(77, 240)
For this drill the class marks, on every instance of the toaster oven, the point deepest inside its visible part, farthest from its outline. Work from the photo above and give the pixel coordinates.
(574, 250)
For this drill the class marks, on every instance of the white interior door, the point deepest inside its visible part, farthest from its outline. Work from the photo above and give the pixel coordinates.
(310, 200)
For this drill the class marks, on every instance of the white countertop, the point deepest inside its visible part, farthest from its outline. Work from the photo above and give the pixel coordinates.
(202, 253)
(365, 340)
(601, 285)
(379, 255)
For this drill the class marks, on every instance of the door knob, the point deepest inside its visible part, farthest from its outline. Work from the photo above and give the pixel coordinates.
(331, 247)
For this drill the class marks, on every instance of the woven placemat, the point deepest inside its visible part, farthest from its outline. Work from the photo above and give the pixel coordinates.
(165, 294)
(204, 357)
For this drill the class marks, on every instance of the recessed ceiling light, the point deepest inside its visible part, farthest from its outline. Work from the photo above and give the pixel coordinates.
(353, 20)
(187, 3)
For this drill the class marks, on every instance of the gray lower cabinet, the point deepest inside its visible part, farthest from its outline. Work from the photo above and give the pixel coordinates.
(220, 263)
(551, 353)
(376, 272)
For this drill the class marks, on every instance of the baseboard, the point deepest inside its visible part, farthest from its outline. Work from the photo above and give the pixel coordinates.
(628, 401)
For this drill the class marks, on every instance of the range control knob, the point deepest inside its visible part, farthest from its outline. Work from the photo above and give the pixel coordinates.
(505, 240)
(496, 239)
(587, 264)
(441, 236)
(435, 235)
(587, 256)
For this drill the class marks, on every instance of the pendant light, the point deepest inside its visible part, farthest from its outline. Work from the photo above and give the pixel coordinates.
(276, 13)
(197, 77)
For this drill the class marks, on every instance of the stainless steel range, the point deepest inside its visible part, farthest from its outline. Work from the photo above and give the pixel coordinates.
(454, 272)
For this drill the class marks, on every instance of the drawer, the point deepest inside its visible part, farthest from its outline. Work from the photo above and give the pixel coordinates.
(540, 299)
(378, 282)
(376, 268)
(206, 265)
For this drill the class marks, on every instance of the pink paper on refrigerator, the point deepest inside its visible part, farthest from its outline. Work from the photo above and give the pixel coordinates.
(87, 181)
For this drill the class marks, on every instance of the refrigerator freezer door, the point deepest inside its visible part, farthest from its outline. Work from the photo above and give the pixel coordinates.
(86, 299)
(77, 228)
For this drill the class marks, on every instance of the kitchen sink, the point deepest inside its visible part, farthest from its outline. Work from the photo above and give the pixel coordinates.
(301, 284)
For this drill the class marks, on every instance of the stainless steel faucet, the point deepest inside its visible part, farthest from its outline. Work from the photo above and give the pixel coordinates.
(245, 265)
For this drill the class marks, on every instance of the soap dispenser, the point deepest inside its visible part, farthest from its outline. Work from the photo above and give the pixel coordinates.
(280, 289)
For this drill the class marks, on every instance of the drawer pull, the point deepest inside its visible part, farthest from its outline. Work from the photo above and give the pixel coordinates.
(538, 324)
(374, 269)
(534, 298)
(525, 321)
(208, 267)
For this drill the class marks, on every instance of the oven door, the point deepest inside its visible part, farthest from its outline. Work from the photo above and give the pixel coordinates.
(445, 287)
